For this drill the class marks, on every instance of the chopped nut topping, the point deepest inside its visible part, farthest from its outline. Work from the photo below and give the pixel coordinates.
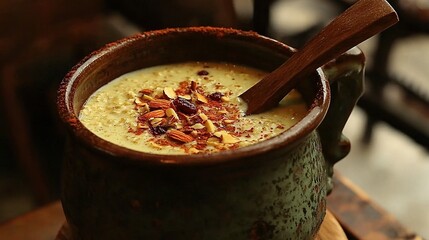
(228, 138)
(146, 91)
(186, 96)
(170, 93)
(183, 109)
(179, 136)
(201, 98)
(147, 97)
(193, 150)
(211, 128)
(159, 103)
(203, 117)
(144, 108)
(154, 114)
(185, 118)
(142, 126)
(139, 102)
(156, 121)
(218, 134)
(171, 113)
(198, 126)
(225, 99)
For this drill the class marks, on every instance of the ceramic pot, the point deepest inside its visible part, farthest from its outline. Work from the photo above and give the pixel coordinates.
(275, 189)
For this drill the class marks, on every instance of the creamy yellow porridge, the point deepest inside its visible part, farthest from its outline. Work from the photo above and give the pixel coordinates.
(185, 108)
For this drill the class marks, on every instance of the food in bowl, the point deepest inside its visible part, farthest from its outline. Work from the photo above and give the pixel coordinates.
(185, 108)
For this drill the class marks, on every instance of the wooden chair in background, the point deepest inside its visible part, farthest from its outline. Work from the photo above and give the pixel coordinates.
(40, 41)
(412, 115)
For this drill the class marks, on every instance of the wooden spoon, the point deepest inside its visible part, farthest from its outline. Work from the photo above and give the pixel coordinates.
(361, 21)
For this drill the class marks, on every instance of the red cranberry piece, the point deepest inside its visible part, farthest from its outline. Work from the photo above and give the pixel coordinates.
(184, 106)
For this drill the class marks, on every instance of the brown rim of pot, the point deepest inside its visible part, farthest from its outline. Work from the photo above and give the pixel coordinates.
(284, 141)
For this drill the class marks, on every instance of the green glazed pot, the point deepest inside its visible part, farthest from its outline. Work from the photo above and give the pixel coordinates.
(275, 189)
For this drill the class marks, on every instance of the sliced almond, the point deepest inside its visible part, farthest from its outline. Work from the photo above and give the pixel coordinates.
(194, 133)
(203, 117)
(228, 138)
(212, 140)
(156, 121)
(211, 128)
(138, 101)
(186, 96)
(144, 108)
(193, 150)
(218, 134)
(225, 99)
(179, 136)
(147, 97)
(154, 114)
(201, 98)
(178, 125)
(228, 121)
(142, 126)
(159, 103)
(155, 145)
(198, 126)
(171, 113)
(170, 93)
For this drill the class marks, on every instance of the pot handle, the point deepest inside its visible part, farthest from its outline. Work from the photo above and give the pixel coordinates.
(345, 75)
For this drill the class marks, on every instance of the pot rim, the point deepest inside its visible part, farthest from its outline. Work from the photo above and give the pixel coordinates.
(281, 142)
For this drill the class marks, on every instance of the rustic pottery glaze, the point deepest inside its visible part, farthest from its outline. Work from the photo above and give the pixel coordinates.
(272, 190)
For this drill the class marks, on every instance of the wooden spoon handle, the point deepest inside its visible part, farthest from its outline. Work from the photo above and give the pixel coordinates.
(361, 21)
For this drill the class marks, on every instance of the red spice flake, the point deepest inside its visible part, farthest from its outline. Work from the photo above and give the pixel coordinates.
(166, 142)
(137, 131)
(184, 88)
(229, 128)
(215, 116)
(201, 146)
(194, 119)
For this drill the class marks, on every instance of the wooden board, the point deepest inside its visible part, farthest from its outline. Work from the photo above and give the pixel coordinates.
(329, 230)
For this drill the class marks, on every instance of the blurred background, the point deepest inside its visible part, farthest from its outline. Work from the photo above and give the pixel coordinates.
(42, 39)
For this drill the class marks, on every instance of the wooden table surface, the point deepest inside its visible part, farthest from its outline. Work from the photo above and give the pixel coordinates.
(45, 224)
(349, 209)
